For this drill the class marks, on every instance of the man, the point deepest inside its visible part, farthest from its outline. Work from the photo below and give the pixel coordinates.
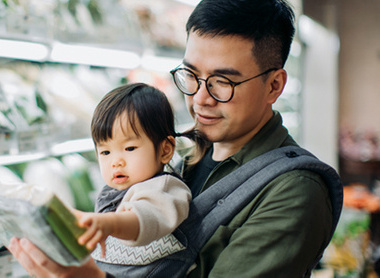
(282, 230)
(231, 75)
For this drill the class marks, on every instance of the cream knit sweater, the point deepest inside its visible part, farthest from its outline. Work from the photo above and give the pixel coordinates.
(160, 203)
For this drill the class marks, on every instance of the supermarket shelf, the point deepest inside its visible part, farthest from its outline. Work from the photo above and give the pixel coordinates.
(19, 158)
(71, 146)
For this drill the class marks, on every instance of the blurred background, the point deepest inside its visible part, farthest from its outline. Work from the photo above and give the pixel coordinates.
(59, 57)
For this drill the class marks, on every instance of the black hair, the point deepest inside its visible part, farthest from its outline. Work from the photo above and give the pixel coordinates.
(145, 104)
(268, 23)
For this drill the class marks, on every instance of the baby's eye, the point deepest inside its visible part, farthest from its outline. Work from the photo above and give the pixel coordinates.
(104, 152)
(130, 149)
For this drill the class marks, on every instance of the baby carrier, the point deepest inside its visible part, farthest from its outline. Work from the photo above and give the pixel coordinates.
(217, 206)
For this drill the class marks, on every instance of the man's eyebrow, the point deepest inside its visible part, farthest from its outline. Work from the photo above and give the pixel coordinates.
(187, 64)
(222, 71)
(227, 71)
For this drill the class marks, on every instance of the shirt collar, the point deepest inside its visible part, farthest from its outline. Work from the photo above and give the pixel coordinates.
(271, 136)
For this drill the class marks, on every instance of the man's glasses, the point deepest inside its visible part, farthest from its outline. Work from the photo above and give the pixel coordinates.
(218, 86)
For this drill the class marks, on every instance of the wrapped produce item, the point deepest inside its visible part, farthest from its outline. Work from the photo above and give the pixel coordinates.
(42, 218)
(52, 175)
(11, 179)
(6, 126)
(29, 110)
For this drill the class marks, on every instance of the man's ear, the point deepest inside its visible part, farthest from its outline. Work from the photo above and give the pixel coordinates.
(276, 83)
(167, 149)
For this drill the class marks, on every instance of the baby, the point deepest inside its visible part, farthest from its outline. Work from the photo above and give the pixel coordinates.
(134, 136)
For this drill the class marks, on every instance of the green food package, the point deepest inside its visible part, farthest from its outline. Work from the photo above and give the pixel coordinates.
(50, 225)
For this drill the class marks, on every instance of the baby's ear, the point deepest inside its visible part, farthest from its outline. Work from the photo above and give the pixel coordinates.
(167, 149)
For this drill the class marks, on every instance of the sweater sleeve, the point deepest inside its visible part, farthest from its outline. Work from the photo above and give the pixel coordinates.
(160, 203)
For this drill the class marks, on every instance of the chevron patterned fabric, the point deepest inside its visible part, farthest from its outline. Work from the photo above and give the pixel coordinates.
(119, 253)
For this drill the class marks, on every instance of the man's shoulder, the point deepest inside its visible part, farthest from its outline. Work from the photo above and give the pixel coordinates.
(299, 180)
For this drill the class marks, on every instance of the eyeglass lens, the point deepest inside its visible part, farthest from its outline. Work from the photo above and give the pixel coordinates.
(186, 81)
(219, 87)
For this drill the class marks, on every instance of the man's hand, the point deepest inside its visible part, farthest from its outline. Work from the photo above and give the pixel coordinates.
(37, 264)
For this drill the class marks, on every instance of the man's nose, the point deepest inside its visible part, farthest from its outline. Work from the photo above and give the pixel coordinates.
(203, 97)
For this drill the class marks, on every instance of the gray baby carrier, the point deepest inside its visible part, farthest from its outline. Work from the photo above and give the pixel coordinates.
(218, 205)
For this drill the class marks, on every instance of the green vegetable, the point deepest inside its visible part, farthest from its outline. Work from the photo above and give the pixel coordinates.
(64, 225)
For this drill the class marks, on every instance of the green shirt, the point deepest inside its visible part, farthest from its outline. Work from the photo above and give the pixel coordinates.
(281, 231)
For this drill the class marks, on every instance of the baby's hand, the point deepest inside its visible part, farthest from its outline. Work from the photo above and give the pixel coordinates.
(93, 234)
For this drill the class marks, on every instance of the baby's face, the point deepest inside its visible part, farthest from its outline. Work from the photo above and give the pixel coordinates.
(127, 158)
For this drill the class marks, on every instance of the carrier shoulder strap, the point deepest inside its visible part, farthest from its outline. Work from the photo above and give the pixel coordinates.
(219, 204)
(233, 192)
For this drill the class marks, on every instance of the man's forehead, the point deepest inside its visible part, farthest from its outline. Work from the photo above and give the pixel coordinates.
(229, 55)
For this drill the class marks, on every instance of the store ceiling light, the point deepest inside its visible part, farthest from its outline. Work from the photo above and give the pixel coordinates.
(94, 56)
(22, 50)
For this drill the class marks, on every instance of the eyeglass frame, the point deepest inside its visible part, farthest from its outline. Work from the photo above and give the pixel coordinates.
(232, 83)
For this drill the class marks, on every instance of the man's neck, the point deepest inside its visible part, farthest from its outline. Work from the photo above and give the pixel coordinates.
(224, 150)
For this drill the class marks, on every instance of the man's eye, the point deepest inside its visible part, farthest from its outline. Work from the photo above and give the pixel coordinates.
(222, 82)
(189, 76)
(130, 149)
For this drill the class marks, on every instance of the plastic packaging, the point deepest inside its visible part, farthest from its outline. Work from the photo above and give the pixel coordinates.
(26, 211)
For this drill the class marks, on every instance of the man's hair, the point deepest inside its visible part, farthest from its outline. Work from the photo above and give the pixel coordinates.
(145, 104)
(268, 23)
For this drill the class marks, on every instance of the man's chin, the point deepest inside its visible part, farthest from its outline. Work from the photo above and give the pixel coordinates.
(207, 131)
(209, 136)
